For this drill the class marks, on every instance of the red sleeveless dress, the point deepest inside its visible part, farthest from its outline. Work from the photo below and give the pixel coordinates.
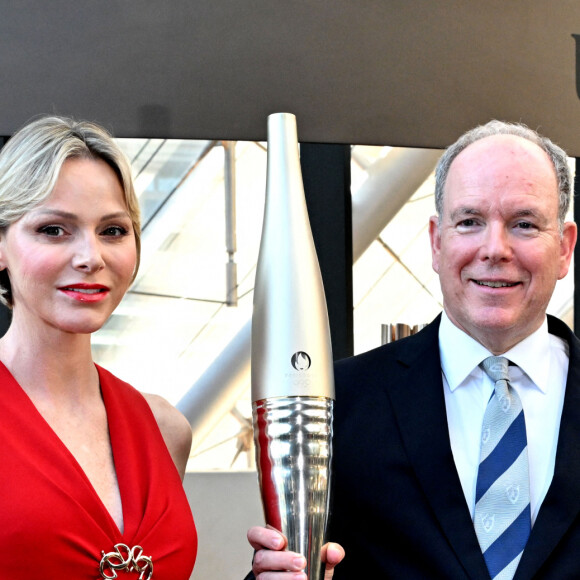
(53, 524)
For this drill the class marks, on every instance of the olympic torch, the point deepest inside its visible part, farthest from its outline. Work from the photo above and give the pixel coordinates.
(292, 373)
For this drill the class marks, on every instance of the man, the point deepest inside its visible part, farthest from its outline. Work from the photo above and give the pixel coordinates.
(414, 419)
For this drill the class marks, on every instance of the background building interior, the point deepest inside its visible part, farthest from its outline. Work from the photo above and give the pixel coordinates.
(202, 205)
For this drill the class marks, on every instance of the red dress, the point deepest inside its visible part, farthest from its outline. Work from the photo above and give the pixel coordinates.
(53, 524)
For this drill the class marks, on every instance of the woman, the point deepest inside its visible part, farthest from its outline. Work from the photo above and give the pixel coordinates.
(91, 469)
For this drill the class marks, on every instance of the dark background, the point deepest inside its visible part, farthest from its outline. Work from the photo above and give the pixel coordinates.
(394, 72)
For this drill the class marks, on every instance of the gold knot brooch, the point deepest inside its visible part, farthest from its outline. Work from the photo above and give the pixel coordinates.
(127, 559)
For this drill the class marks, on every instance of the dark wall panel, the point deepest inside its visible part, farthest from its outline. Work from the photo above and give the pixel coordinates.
(393, 72)
(326, 176)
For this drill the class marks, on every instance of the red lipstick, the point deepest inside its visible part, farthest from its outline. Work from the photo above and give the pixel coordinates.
(86, 292)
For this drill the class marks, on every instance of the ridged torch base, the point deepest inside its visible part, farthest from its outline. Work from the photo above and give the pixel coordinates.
(293, 437)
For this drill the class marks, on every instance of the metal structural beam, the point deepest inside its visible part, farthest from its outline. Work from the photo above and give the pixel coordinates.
(391, 181)
(229, 148)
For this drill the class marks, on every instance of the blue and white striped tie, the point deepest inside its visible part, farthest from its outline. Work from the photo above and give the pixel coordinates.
(502, 500)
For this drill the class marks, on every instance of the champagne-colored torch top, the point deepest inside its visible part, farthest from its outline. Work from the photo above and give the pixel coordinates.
(291, 349)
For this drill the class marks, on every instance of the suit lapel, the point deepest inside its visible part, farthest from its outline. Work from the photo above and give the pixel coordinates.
(417, 398)
(562, 503)
(419, 404)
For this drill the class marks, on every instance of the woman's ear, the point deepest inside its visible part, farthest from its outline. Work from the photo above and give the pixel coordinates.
(2, 249)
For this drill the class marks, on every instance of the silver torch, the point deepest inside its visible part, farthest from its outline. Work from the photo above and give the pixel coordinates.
(292, 372)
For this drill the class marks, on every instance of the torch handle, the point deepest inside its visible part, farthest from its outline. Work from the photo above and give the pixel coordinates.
(293, 437)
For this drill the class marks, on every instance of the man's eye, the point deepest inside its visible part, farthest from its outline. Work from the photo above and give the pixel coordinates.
(467, 222)
(525, 225)
(53, 231)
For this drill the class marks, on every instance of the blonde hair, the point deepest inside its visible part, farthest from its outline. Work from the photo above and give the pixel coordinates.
(31, 161)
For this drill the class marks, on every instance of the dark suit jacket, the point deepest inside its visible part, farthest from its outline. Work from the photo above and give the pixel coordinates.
(398, 505)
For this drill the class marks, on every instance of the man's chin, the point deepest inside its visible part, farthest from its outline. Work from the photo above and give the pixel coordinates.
(500, 333)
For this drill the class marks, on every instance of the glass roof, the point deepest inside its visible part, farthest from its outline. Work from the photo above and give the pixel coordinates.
(175, 321)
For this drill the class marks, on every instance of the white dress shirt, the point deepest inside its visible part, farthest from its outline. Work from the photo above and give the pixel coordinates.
(539, 379)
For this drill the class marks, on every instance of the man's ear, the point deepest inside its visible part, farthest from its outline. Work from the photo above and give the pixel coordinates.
(567, 244)
(435, 238)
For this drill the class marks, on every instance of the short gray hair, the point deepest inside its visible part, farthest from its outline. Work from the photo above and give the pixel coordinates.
(557, 156)
(31, 161)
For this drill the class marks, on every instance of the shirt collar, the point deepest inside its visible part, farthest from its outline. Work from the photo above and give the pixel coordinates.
(530, 356)
(461, 354)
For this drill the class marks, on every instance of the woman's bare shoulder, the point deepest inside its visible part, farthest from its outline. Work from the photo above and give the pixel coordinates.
(175, 429)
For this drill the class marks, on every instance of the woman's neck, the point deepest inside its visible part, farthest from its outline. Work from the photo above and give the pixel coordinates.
(52, 364)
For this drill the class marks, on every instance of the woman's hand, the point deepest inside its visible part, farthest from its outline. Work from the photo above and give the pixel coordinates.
(273, 562)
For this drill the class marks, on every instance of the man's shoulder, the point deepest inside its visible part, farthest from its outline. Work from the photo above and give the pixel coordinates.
(380, 355)
(562, 330)
(404, 349)
(363, 371)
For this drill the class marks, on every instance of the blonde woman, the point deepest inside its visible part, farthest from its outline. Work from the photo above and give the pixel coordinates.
(91, 469)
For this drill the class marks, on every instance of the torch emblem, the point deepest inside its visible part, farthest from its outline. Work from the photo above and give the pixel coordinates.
(301, 361)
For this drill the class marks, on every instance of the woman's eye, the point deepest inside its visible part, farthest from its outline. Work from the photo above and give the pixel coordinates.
(115, 231)
(53, 231)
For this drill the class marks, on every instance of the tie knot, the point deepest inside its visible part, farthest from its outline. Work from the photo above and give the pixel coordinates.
(496, 368)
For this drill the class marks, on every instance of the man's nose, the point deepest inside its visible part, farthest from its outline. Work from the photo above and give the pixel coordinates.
(496, 243)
